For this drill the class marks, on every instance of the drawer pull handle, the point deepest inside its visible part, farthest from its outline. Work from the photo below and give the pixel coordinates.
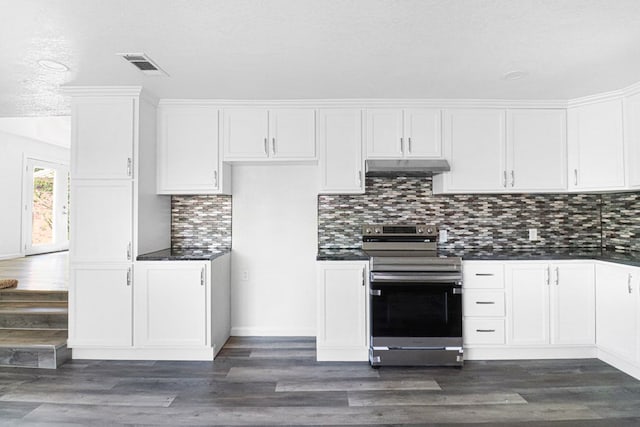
(485, 302)
(485, 330)
(484, 274)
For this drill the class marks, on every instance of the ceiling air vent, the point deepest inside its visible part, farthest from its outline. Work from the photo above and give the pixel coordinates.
(143, 63)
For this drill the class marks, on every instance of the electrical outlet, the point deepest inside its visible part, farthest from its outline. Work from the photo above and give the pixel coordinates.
(533, 234)
(245, 275)
(443, 236)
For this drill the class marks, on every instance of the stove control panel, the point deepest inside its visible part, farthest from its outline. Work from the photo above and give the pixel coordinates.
(399, 230)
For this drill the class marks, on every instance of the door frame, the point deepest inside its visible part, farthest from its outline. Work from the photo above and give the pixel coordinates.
(27, 204)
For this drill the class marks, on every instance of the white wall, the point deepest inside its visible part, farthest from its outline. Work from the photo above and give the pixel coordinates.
(13, 148)
(275, 241)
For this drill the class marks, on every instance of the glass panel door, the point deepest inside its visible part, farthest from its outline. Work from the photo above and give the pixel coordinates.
(46, 207)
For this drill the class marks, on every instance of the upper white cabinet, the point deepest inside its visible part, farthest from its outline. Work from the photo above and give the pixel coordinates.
(596, 146)
(259, 134)
(498, 151)
(341, 160)
(409, 133)
(536, 150)
(189, 155)
(632, 138)
(102, 137)
(474, 142)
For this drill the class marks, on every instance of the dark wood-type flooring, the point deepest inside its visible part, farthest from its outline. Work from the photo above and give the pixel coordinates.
(270, 381)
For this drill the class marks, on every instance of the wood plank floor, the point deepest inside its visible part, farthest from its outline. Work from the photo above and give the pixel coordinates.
(38, 272)
(276, 381)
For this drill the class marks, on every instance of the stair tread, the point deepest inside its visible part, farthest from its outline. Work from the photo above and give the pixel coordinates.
(20, 307)
(32, 338)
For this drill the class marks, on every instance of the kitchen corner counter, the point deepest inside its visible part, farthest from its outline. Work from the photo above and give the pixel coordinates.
(341, 254)
(184, 254)
(545, 254)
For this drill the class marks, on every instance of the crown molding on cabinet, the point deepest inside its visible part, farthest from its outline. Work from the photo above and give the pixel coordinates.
(108, 91)
(370, 103)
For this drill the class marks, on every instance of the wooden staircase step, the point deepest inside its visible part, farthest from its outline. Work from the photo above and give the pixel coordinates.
(33, 348)
(32, 295)
(33, 315)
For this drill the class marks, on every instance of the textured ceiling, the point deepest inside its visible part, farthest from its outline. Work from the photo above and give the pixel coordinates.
(287, 49)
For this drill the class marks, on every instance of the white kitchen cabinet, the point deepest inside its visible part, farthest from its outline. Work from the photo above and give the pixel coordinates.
(397, 134)
(632, 138)
(340, 143)
(342, 301)
(102, 137)
(474, 144)
(536, 150)
(528, 304)
(100, 305)
(189, 155)
(101, 221)
(617, 310)
(596, 147)
(550, 304)
(171, 303)
(503, 151)
(261, 134)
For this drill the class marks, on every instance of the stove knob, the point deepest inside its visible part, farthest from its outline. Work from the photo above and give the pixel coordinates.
(429, 230)
(420, 230)
(367, 231)
(378, 231)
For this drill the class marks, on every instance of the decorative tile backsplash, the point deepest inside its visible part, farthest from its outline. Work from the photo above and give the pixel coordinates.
(621, 221)
(472, 221)
(498, 221)
(202, 222)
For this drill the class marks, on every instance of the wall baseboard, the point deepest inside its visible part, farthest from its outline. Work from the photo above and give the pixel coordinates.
(251, 331)
(12, 256)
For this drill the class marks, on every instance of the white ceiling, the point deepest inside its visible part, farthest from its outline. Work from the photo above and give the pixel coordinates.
(288, 49)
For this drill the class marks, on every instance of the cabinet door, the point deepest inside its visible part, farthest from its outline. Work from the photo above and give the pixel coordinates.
(536, 150)
(292, 133)
(616, 310)
(528, 304)
(245, 134)
(342, 317)
(188, 150)
(170, 303)
(100, 306)
(340, 138)
(573, 304)
(423, 133)
(632, 138)
(384, 133)
(101, 221)
(102, 138)
(596, 150)
(475, 146)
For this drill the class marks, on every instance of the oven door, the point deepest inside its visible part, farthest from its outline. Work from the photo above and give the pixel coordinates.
(416, 310)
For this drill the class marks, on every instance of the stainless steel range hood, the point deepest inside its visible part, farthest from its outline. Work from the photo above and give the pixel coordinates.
(394, 168)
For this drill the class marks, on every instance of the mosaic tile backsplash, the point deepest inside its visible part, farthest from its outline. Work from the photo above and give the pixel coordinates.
(477, 221)
(472, 221)
(621, 221)
(202, 222)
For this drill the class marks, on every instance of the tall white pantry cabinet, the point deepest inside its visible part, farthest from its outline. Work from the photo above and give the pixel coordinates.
(115, 213)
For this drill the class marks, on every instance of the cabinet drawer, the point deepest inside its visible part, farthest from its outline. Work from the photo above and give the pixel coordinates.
(483, 331)
(483, 303)
(483, 275)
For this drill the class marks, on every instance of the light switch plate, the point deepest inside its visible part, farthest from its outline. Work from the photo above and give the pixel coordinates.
(533, 234)
(443, 237)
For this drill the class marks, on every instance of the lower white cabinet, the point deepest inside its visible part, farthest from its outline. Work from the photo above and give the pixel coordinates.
(617, 310)
(100, 306)
(551, 304)
(342, 301)
(172, 303)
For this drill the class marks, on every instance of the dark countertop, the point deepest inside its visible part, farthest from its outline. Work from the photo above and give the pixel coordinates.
(184, 254)
(488, 254)
(341, 254)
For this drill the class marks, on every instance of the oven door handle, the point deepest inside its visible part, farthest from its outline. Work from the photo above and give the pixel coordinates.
(453, 278)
